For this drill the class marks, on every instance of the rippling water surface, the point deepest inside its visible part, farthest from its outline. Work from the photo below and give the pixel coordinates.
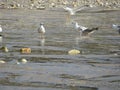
(49, 65)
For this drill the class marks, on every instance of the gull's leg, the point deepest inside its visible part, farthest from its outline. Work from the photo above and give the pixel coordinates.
(41, 35)
(80, 34)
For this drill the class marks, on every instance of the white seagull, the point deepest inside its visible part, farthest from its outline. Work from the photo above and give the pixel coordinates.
(72, 11)
(117, 27)
(0, 29)
(84, 31)
(41, 30)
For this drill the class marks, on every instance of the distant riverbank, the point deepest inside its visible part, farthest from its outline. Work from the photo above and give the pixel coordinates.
(44, 4)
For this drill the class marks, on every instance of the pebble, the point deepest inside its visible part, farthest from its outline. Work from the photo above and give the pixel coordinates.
(1, 61)
(73, 52)
(23, 60)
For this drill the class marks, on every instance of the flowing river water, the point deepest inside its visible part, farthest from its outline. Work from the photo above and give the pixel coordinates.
(49, 65)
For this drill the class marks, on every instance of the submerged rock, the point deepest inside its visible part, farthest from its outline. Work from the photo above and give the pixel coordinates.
(73, 52)
(25, 50)
(2, 61)
(4, 48)
(23, 60)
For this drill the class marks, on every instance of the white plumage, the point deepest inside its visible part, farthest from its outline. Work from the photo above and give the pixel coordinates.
(117, 27)
(0, 28)
(84, 30)
(41, 30)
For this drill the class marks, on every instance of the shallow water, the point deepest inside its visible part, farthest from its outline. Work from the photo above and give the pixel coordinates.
(49, 66)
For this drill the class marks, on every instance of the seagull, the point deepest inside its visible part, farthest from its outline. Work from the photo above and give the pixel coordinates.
(0, 29)
(117, 27)
(0, 34)
(84, 31)
(41, 30)
(72, 11)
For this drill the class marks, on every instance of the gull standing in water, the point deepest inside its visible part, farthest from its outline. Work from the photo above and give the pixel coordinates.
(41, 30)
(117, 27)
(84, 31)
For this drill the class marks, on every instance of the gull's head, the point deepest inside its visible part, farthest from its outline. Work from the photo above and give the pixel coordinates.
(41, 23)
(76, 26)
(67, 8)
(74, 23)
(114, 26)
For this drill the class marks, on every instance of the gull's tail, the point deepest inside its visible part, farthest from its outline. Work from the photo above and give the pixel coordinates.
(96, 28)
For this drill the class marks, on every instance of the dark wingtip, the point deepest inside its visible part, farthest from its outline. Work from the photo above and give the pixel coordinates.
(96, 28)
(119, 31)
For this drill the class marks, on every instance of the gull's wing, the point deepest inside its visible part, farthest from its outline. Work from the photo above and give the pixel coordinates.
(67, 8)
(116, 26)
(82, 28)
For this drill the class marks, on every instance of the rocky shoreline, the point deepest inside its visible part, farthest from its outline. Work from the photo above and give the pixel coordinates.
(44, 4)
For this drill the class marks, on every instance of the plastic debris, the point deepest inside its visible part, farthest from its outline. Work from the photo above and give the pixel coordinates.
(26, 50)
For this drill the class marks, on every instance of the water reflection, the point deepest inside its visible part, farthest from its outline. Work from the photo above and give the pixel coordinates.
(1, 38)
(69, 19)
(42, 44)
(82, 40)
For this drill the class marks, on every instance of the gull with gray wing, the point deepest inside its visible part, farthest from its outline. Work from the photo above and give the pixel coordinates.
(41, 30)
(84, 31)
